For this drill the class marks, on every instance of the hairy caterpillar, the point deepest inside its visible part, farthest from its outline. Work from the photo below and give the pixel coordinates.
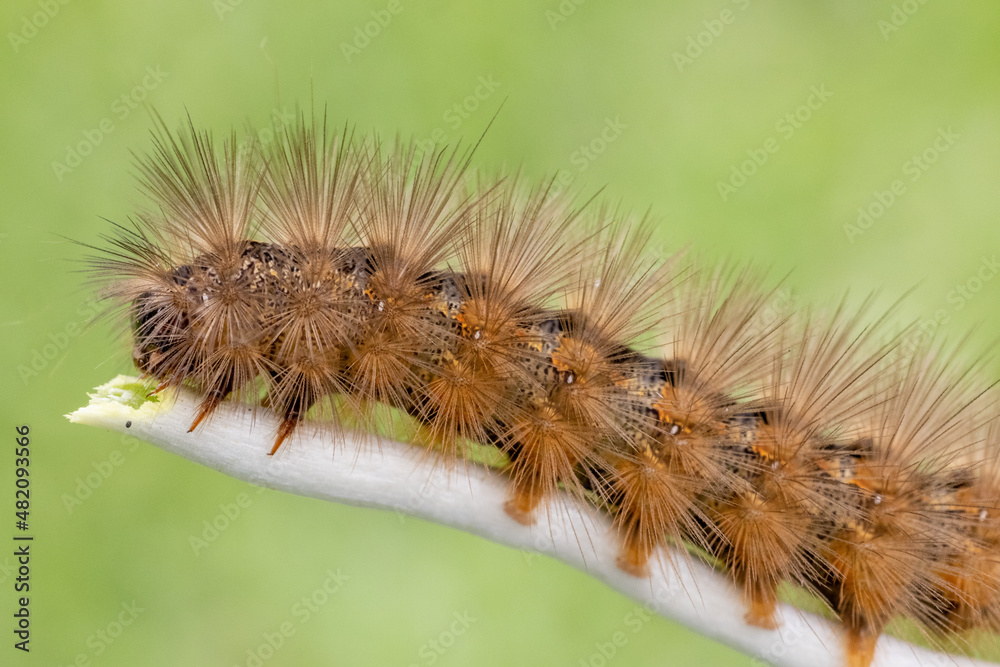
(328, 274)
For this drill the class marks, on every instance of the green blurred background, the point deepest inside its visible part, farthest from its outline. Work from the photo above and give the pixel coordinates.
(659, 102)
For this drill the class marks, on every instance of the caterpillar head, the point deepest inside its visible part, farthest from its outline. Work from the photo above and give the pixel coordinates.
(160, 318)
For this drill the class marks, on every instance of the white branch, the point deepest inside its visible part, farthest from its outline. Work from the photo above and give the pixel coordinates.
(393, 476)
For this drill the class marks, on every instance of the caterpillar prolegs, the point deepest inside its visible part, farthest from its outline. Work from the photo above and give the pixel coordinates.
(327, 274)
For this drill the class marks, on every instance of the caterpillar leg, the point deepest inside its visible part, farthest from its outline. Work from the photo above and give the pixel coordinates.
(654, 504)
(528, 488)
(763, 546)
(860, 642)
(753, 574)
(293, 393)
(291, 411)
(284, 431)
(216, 390)
(634, 556)
(522, 501)
(639, 533)
(165, 384)
(206, 408)
(762, 603)
(545, 448)
(292, 416)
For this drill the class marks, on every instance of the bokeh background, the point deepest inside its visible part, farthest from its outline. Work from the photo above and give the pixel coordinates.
(657, 102)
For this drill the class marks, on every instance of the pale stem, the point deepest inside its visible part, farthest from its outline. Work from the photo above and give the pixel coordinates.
(382, 474)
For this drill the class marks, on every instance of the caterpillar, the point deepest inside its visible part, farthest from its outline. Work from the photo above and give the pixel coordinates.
(343, 283)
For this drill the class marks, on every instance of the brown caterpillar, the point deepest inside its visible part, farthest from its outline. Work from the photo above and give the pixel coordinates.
(329, 274)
